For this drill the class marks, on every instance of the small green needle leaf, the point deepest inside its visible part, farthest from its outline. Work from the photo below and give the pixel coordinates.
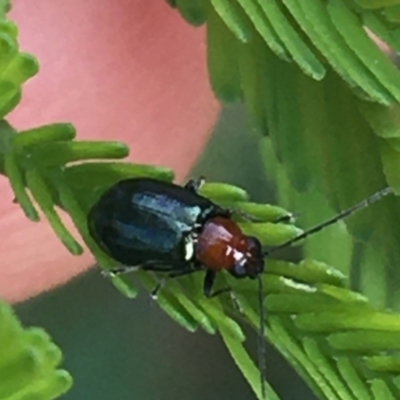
(21, 68)
(364, 341)
(383, 363)
(264, 27)
(299, 51)
(43, 134)
(17, 183)
(309, 271)
(61, 153)
(321, 362)
(270, 234)
(234, 18)
(223, 192)
(124, 286)
(40, 192)
(353, 379)
(381, 390)
(246, 365)
(348, 320)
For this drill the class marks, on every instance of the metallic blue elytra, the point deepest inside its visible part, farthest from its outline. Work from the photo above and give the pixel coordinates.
(150, 223)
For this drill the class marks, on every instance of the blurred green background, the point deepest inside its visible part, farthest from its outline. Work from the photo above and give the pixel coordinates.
(124, 349)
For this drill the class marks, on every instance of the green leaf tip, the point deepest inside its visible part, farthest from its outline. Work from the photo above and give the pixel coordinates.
(29, 361)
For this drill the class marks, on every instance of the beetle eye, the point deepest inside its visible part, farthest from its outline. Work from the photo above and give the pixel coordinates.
(254, 262)
(251, 264)
(239, 270)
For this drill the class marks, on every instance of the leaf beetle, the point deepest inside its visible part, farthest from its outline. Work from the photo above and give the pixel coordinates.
(160, 226)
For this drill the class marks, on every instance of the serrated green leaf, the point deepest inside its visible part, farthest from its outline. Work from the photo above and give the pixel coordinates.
(353, 33)
(314, 19)
(264, 27)
(234, 18)
(299, 51)
(246, 365)
(295, 351)
(353, 380)
(319, 359)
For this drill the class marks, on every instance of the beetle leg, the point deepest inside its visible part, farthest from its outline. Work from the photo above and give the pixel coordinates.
(209, 283)
(126, 269)
(195, 184)
(172, 275)
(123, 269)
(207, 288)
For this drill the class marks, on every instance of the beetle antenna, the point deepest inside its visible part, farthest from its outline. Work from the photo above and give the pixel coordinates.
(261, 336)
(344, 214)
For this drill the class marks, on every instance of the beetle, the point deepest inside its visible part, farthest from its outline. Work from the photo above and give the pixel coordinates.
(160, 226)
